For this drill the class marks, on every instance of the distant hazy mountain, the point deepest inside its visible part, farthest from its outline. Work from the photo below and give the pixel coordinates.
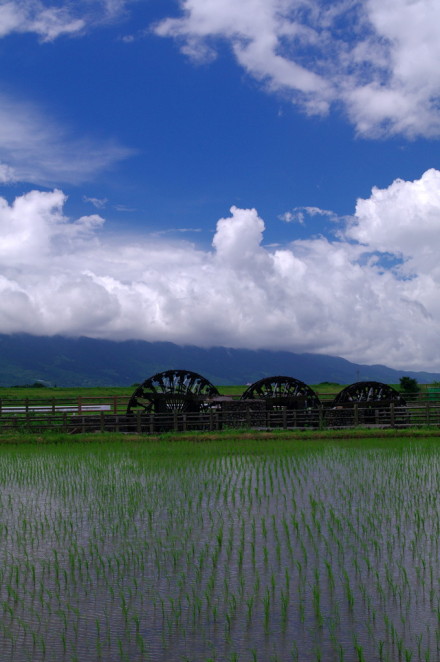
(61, 361)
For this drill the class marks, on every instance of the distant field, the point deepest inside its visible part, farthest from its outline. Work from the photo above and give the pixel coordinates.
(45, 393)
(33, 393)
(19, 393)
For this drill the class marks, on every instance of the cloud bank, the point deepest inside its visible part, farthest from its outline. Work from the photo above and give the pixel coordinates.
(377, 59)
(370, 295)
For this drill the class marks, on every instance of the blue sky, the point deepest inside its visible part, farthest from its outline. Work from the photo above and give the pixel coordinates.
(129, 130)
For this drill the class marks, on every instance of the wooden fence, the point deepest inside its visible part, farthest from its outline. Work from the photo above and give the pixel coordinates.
(109, 414)
(117, 404)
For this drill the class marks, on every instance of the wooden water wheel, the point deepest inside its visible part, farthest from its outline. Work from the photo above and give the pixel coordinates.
(283, 391)
(373, 402)
(172, 391)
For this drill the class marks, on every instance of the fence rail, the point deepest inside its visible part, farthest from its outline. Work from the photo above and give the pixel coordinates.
(117, 404)
(105, 416)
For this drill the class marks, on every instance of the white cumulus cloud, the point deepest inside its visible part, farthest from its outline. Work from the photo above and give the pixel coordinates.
(64, 276)
(377, 59)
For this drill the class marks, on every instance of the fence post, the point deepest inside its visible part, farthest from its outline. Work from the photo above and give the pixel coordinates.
(428, 414)
(138, 422)
(356, 414)
(392, 418)
(321, 416)
(284, 418)
(101, 421)
(175, 421)
(115, 404)
(79, 404)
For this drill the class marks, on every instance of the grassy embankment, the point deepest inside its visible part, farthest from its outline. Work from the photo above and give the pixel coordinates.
(243, 439)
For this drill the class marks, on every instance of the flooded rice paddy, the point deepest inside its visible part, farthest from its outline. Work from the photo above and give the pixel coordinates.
(246, 552)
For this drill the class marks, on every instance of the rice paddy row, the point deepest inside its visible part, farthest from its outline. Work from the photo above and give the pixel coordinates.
(246, 551)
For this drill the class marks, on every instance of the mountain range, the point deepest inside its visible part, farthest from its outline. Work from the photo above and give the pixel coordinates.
(61, 361)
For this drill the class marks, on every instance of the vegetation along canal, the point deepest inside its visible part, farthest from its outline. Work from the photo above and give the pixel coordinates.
(235, 550)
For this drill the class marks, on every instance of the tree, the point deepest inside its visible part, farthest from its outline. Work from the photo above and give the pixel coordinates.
(409, 385)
